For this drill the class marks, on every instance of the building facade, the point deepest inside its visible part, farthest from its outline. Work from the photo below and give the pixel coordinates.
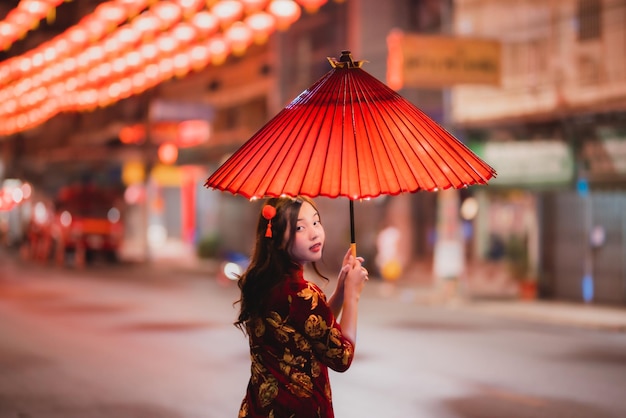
(555, 129)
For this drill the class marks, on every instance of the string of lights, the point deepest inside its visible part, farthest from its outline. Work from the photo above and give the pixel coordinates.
(125, 47)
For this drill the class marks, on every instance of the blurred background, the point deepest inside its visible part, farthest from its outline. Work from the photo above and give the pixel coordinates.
(114, 113)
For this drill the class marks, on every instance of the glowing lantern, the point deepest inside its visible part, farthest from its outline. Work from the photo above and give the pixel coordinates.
(111, 13)
(78, 37)
(126, 37)
(140, 82)
(152, 74)
(95, 53)
(198, 57)
(262, 25)
(182, 64)
(146, 25)
(149, 51)
(166, 44)
(104, 70)
(9, 31)
(205, 22)
(239, 36)
(166, 69)
(189, 7)
(96, 29)
(119, 65)
(286, 12)
(22, 20)
(133, 7)
(227, 11)
(37, 8)
(219, 49)
(168, 153)
(167, 12)
(184, 33)
(312, 6)
(133, 60)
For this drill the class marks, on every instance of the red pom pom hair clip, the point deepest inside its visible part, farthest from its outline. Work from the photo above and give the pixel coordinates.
(268, 213)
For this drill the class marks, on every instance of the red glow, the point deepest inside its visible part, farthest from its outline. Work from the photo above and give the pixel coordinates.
(168, 153)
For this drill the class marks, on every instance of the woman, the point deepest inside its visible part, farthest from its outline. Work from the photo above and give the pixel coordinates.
(292, 329)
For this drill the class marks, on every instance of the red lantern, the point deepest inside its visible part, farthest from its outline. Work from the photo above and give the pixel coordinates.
(199, 57)
(185, 33)
(133, 7)
(126, 37)
(239, 36)
(147, 25)
(167, 12)
(262, 25)
(219, 49)
(111, 13)
(227, 11)
(166, 44)
(182, 64)
(190, 7)
(286, 12)
(206, 23)
(78, 37)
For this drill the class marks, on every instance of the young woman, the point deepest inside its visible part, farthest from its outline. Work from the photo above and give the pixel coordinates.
(292, 328)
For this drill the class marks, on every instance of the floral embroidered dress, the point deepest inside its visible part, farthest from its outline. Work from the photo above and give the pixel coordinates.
(291, 348)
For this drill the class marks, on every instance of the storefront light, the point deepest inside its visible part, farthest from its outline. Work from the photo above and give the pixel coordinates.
(469, 208)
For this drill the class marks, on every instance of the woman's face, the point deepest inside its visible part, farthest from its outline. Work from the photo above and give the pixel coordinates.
(309, 236)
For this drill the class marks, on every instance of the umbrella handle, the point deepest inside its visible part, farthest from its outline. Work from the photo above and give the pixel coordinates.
(352, 234)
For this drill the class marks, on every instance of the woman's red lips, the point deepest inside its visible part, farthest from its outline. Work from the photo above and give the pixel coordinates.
(316, 247)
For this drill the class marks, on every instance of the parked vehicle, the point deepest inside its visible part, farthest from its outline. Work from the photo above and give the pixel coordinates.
(87, 222)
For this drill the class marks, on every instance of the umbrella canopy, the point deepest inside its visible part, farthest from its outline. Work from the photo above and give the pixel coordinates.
(349, 135)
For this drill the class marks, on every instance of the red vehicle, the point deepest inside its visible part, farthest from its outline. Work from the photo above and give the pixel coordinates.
(87, 222)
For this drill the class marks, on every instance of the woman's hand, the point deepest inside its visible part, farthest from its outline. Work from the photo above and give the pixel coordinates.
(336, 300)
(355, 276)
(346, 267)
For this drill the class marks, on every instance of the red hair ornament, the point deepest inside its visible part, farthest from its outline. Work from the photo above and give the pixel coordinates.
(268, 213)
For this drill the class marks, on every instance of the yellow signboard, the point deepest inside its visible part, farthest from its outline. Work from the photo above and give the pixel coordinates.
(133, 172)
(436, 61)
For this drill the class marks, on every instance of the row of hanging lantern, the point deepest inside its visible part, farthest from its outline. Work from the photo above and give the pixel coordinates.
(24, 18)
(128, 46)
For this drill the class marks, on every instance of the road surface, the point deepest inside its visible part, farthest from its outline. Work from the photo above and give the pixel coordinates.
(126, 341)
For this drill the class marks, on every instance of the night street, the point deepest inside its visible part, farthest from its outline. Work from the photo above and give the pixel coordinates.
(125, 341)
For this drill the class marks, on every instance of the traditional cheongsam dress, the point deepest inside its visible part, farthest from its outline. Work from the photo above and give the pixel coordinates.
(291, 348)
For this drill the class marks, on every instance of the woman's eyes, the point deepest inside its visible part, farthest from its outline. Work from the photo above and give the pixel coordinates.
(301, 227)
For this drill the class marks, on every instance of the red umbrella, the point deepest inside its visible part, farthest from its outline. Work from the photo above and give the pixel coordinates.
(349, 135)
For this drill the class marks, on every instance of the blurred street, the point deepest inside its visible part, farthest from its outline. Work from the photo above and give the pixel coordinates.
(134, 341)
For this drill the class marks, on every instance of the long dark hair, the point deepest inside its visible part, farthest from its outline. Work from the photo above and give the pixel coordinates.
(271, 261)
